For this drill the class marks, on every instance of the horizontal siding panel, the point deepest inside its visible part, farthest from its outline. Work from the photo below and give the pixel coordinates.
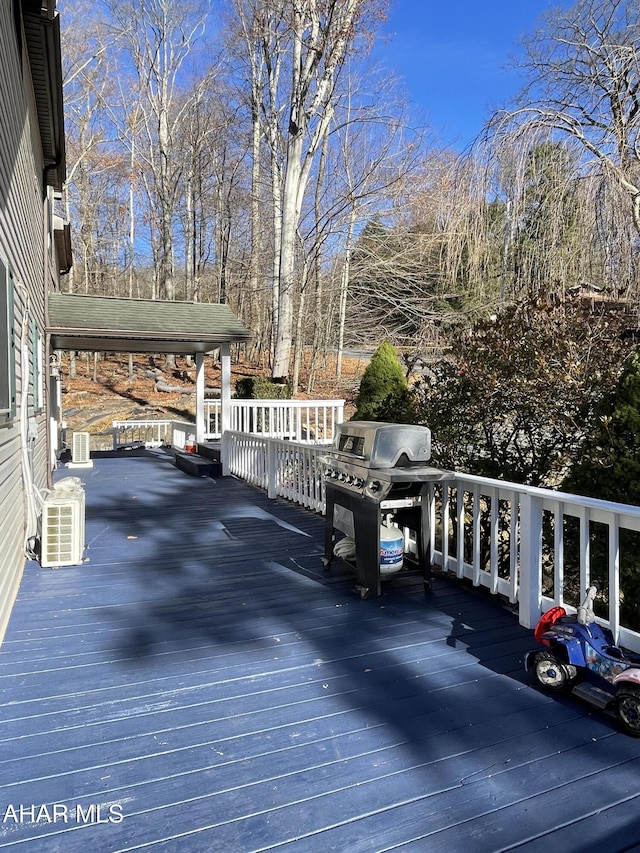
(21, 245)
(12, 556)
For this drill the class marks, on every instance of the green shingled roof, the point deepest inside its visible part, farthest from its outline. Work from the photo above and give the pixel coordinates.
(105, 323)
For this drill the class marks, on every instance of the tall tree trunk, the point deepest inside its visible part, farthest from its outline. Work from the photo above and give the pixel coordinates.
(189, 239)
(344, 291)
(256, 238)
(293, 189)
(299, 343)
(317, 261)
(322, 35)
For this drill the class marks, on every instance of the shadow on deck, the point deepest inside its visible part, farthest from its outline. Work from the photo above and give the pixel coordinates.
(201, 684)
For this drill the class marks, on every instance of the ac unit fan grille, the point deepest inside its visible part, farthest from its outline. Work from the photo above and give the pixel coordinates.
(80, 449)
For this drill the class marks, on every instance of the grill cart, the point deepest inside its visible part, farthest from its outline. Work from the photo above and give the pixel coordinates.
(377, 481)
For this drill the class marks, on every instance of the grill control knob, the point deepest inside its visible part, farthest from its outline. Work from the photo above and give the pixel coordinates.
(375, 486)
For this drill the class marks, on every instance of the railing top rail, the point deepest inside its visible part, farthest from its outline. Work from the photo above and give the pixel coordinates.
(294, 404)
(148, 422)
(547, 494)
(285, 443)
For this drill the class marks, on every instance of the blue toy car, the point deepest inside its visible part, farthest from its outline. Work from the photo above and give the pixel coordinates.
(581, 657)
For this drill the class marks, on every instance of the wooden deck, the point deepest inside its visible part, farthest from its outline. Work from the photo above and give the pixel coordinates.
(201, 684)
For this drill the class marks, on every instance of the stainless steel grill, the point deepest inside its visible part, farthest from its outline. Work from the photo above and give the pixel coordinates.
(373, 459)
(373, 470)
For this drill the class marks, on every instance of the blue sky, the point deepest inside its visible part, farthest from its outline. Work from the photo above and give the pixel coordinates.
(453, 56)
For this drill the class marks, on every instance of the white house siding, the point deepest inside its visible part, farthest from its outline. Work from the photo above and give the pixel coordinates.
(22, 213)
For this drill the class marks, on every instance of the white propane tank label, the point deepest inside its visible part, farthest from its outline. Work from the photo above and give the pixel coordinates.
(391, 549)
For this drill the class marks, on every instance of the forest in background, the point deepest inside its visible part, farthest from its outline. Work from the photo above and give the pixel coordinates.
(249, 152)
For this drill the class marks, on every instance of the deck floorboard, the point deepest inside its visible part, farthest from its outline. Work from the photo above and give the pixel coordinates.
(201, 683)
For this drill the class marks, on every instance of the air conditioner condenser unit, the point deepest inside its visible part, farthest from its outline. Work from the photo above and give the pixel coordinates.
(63, 524)
(80, 450)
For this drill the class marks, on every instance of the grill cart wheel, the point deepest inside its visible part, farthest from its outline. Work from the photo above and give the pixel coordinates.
(628, 710)
(552, 674)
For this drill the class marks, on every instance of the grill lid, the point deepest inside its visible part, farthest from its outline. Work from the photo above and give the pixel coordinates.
(383, 445)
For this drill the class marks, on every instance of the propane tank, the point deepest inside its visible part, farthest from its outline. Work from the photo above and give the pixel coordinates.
(391, 548)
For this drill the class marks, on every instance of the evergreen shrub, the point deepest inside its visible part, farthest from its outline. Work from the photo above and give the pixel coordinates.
(384, 394)
(261, 388)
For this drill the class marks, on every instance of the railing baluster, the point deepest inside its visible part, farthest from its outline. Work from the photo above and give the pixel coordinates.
(585, 560)
(558, 553)
(494, 533)
(614, 575)
(514, 550)
(476, 535)
(460, 531)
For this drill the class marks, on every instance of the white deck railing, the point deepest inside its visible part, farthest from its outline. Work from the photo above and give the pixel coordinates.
(295, 420)
(312, 421)
(287, 469)
(141, 433)
(535, 547)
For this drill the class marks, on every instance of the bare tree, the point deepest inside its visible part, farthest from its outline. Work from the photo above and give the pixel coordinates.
(86, 79)
(528, 216)
(212, 143)
(403, 284)
(252, 22)
(377, 154)
(320, 36)
(291, 54)
(158, 37)
(584, 82)
(256, 37)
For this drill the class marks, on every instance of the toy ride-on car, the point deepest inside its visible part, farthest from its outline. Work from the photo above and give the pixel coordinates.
(581, 657)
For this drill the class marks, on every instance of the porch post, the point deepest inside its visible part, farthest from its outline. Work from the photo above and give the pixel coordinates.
(225, 392)
(200, 424)
(225, 402)
(530, 586)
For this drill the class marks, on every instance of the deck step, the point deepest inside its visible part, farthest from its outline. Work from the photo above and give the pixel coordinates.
(210, 450)
(198, 466)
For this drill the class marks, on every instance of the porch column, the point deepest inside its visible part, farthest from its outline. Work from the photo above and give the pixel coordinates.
(530, 586)
(225, 402)
(225, 393)
(200, 424)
